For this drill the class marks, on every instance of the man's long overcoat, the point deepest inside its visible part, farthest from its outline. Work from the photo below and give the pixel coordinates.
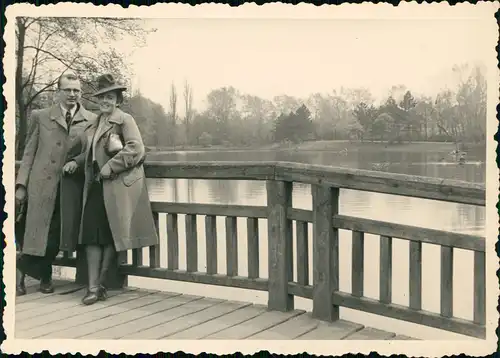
(41, 171)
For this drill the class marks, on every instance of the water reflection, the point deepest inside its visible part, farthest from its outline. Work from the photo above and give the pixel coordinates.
(224, 191)
(415, 163)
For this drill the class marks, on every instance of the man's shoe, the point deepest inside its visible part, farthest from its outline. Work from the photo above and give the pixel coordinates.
(46, 287)
(20, 286)
(20, 290)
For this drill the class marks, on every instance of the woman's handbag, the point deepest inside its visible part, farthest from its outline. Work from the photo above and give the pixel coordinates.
(114, 144)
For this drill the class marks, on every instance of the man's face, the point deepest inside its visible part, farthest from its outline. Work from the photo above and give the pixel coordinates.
(69, 92)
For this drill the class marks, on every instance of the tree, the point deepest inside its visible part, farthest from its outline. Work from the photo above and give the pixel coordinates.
(205, 139)
(396, 121)
(384, 127)
(294, 127)
(281, 132)
(188, 106)
(408, 104)
(341, 115)
(222, 109)
(148, 115)
(257, 116)
(444, 108)
(398, 92)
(461, 115)
(350, 122)
(355, 131)
(173, 114)
(365, 115)
(424, 110)
(202, 123)
(356, 96)
(471, 102)
(286, 104)
(48, 46)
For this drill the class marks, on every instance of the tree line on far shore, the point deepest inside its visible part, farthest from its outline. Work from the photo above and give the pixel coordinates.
(46, 47)
(235, 119)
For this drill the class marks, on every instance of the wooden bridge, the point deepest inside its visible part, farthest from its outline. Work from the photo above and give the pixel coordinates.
(138, 313)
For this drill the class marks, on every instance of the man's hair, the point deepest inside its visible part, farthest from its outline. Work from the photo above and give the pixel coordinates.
(69, 76)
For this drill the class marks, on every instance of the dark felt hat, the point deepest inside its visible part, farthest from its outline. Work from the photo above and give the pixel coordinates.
(107, 83)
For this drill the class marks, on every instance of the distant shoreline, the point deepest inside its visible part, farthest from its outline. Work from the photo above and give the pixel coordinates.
(325, 146)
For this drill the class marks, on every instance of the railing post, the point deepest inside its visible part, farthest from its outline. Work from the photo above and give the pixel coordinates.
(280, 241)
(480, 288)
(325, 252)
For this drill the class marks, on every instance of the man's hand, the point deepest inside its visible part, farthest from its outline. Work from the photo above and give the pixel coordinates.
(20, 201)
(70, 167)
(21, 193)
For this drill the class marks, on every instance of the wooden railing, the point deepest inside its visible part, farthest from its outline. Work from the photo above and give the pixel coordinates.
(324, 217)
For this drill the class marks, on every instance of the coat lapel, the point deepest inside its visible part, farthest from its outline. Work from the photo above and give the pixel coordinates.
(79, 117)
(82, 115)
(115, 118)
(57, 116)
(106, 126)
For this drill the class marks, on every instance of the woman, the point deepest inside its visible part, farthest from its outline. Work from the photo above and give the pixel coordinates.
(116, 213)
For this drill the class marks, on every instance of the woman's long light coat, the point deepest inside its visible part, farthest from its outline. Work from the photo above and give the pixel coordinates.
(125, 195)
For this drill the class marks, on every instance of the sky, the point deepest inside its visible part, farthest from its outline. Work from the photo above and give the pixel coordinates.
(270, 57)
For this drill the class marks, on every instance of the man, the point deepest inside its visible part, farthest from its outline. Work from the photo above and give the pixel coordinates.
(51, 131)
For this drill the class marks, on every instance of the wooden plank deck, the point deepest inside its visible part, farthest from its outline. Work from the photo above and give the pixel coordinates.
(133, 313)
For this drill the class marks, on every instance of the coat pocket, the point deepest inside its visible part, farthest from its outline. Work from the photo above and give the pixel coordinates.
(132, 176)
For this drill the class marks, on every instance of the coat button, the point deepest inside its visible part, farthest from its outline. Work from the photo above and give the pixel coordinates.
(58, 144)
(49, 177)
(53, 161)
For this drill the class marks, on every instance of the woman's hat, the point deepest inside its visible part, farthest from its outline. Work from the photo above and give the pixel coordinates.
(107, 83)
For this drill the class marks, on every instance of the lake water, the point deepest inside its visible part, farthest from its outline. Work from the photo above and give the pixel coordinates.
(403, 210)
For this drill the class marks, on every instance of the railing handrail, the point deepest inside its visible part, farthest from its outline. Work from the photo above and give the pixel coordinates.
(345, 178)
(475, 193)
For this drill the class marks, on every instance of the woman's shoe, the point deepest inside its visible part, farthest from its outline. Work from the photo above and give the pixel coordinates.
(91, 297)
(102, 293)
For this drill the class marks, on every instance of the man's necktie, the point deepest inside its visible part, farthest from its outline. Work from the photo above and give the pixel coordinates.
(68, 118)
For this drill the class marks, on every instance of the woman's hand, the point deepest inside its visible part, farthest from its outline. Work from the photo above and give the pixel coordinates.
(106, 172)
(70, 167)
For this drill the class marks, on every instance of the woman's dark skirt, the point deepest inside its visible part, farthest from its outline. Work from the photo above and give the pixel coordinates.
(95, 224)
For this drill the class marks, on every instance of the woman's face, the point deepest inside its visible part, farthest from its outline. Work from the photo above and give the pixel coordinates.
(108, 101)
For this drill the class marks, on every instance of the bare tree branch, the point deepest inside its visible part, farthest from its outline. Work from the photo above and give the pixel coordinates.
(43, 89)
(35, 64)
(47, 46)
